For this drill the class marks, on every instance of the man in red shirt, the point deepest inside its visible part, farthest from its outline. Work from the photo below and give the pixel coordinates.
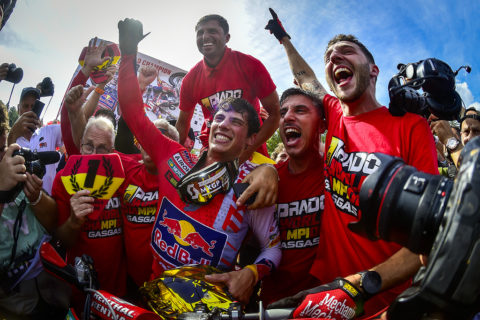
(299, 209)
(225, 73)
(81, 233)
(358, 127)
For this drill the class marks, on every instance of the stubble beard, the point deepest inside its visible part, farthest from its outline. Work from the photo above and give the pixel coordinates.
(362, 80)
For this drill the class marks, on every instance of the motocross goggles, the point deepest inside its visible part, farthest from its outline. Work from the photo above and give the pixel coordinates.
(200, 186)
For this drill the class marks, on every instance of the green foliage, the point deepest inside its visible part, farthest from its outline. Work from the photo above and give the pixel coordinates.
(12, 116)
(273, 142)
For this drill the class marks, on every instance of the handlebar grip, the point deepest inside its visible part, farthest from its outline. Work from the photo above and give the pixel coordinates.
(277, 314)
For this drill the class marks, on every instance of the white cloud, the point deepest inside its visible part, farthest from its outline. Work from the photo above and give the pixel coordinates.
(475, 105)
(465, 93)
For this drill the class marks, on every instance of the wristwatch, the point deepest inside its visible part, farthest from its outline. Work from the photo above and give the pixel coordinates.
(452, 144)
(371, 283)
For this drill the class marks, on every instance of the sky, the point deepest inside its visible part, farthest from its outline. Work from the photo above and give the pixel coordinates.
(46, 37)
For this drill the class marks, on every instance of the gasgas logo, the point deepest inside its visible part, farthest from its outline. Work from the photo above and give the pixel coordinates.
(180, 240)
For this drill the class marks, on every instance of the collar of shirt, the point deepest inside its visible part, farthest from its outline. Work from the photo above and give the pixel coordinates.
(209, 70)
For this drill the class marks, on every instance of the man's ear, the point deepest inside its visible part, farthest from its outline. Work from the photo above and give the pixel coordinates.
(227, 38)
(374, 71)
(250, 140)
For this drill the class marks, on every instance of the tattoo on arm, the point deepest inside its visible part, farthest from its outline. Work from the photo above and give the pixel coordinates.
(300, 73)
(315, 87)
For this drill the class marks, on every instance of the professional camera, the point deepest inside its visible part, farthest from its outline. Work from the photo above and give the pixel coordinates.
(35, 163)
(436, 79)
(14, 74)
(46, 87)
(434, 216)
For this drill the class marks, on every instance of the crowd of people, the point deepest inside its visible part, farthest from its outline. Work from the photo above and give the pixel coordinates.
(172, 209)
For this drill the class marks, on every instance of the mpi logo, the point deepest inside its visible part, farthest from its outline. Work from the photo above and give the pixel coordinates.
(180, 240)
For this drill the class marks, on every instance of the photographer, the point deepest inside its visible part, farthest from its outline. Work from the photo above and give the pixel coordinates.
(25, 289)
(357, 127)
(28, 134)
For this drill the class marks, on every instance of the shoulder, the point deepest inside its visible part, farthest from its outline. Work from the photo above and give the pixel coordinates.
(197, 68)
(51, 128)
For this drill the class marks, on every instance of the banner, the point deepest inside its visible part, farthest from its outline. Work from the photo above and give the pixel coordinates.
(161, 97)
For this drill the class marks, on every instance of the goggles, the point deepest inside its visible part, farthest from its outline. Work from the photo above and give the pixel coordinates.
(200, 186)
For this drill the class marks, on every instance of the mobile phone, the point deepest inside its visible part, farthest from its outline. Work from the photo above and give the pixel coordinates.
(38, 108)
(239, 188)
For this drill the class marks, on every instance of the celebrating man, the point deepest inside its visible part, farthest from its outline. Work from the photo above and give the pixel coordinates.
(198, 220)
(358, 127)
(221, 74)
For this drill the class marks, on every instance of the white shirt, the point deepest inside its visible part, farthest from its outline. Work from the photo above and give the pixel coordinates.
(47, 138)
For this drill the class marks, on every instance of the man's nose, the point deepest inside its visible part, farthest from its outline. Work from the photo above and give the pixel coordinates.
(335, 56)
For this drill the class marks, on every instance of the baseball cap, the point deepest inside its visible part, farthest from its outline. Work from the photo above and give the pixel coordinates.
(30, 90)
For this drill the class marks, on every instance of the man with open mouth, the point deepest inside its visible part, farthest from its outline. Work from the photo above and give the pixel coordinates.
(358, 126)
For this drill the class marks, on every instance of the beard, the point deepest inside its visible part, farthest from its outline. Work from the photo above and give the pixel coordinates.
(362, 80)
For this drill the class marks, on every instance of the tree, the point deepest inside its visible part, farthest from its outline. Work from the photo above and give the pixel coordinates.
(273, 142)
(12, 116)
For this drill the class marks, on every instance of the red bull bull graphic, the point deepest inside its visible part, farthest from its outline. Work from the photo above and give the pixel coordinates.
(179, 239)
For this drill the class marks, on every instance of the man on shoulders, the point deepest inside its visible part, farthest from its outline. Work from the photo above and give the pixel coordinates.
(221, 74)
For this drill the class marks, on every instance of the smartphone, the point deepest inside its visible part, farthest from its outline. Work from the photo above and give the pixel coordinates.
(38, 108)
(239, 188)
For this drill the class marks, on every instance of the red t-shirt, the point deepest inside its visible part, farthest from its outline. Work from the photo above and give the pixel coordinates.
(139, 194)
(349, 159)
(237, 75)
(100, 238)
(299, 210)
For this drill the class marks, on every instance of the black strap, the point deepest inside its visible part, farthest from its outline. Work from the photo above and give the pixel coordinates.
(16, 229)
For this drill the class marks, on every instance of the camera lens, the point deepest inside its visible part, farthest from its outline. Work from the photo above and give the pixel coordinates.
(403, 205)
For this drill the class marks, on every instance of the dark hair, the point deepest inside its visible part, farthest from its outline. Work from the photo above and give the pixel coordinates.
(307, 94)
(353, 39)
(244, 107)
(4, 128)
(221, 21)
(107, 113)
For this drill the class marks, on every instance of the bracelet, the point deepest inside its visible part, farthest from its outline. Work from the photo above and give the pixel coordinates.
(100, 91)
(254, 270)
(40, 194)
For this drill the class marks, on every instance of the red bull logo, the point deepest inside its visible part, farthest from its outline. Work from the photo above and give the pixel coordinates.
(180, 240)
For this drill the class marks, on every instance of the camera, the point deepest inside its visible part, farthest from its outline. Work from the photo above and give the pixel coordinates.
(46, 87)
(35, 163)
(436, 79)
(14, 74)
(434, 216)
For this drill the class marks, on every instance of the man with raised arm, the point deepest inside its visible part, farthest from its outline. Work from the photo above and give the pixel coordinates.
(198, 220)
(225, 73)
(358, 127)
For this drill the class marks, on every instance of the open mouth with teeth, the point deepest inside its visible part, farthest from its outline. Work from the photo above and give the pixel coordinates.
(222, 138)
(292, 134)
(342, 75)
